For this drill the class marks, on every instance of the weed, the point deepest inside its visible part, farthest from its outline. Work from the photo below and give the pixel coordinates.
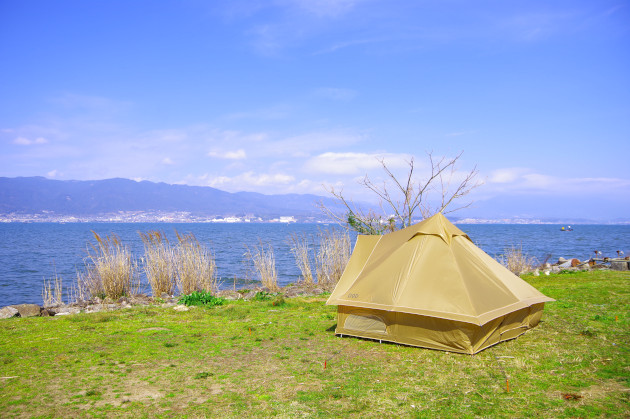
(197, 298)
(262, 296)
(52, 291)
(195, 265)
(110, 271)
(332, 256)
(516, 261)
(300, 249)
(159, 262)
(203, 375)
(264, 260)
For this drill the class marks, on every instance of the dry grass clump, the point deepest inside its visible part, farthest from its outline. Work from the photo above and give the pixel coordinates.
(264, 262)
(159, 263)
(52, 291)
(300, 249)
(110, 271)
(332, 256)
(516, 261)
(195, 267)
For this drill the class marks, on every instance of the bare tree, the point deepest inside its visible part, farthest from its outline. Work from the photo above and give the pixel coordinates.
(408, 197)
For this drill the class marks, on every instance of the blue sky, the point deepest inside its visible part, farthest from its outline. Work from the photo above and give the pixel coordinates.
(289, 95)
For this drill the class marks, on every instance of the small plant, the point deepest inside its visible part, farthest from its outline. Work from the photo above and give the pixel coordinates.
(159, 263)
(265, 265)
(195, 265)
(198, 298)
(110, 270)
(52, 292)
(278, 301)
(300, 249)
(516, 261)
(203, 375)
(262, 296)
(332, 256)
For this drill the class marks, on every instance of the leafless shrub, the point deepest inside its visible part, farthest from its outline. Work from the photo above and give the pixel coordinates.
(159, 263)
(52, 291)
(195, 266)
(332, 256)
(300, 249)
(406, 198)
(110, 270)
(264, 262)
(516, 261)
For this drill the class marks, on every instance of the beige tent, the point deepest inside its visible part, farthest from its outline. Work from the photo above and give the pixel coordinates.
(428, 285)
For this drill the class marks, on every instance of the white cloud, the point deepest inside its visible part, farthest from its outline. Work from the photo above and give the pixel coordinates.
(248, 181)
(508, 175)
(167, 161)
(518, 180)
(229, 155)
(353, 163)
(52, 173)
(27, 142)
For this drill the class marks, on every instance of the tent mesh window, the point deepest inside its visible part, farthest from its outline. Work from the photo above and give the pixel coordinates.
(365, 323)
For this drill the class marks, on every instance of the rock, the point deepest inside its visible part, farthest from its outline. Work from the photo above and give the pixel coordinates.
(575, 262)
(28, 310)
(317, 291)
(561, 260)
(67, 310)
(46, 313)
(181, 307)
(122, 300)
(536, 272)
(231, 295)
(165, 296)
(7, 312)
(617, 265)
(248, 296)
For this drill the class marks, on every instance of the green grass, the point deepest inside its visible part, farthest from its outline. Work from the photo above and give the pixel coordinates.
(258, 358)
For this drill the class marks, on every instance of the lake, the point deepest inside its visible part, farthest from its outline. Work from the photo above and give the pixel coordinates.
(30, 252)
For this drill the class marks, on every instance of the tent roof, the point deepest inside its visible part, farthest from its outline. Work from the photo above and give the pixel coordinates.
(431, 268)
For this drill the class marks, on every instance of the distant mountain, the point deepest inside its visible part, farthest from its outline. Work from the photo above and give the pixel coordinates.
(83, 198)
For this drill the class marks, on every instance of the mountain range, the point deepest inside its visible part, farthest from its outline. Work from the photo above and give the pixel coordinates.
(28, 195)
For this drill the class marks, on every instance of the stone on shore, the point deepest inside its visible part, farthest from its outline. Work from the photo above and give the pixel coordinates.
(28, 310)
(620, 265)
(8, 312)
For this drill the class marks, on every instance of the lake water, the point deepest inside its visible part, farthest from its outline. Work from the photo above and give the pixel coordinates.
(31, 252)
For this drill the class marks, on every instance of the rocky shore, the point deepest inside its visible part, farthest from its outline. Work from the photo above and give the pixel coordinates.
(95, 305)
(617, 264)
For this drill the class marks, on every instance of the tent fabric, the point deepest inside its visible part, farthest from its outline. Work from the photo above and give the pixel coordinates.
(429, 285)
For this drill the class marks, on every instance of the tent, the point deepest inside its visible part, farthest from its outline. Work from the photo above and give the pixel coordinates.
(428, 285)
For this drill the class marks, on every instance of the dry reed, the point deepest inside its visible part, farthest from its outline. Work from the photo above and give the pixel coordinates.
(110, 271)
(332, 256)
(52, 292)
(195, 267)
(516, 261)
(159, 263)
(300, 249)
(264, 262)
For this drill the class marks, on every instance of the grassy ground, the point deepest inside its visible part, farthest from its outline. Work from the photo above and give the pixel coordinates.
(261, 359)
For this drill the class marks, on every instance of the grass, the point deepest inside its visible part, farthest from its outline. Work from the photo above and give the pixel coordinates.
(264, 261)
(110, 270)
(516, 261)
(255, 358)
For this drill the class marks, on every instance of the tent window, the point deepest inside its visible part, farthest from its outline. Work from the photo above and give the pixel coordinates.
(365, 323)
